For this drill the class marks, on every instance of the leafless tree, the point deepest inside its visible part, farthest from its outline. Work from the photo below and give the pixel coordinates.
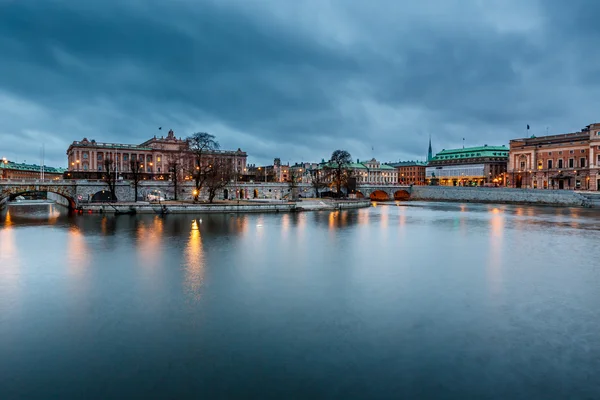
(339, 164)
(109, 177)
(175, 169)
(295, 178)
(200, 145)
(136, 167)
(218, 174)
(318, 178)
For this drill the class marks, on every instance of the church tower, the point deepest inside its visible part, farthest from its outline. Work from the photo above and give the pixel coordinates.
(429, 152)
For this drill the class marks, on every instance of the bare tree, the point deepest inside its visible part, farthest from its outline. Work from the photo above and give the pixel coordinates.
(175, 169)
(295, 178)
(110, 177)
(218, 174)
(136, 167)
(200, 144)
(339, 164)
(318, 178)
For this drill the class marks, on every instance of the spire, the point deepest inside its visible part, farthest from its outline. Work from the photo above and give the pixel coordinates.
(429, 152)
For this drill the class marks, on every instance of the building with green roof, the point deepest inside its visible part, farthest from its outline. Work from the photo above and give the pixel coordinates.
(13, 170)
(470, 166)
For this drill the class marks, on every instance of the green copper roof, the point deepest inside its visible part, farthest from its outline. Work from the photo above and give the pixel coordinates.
(472, 152)
(30, 167)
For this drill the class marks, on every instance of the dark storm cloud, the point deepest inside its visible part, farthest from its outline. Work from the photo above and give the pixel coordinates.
(294, 80)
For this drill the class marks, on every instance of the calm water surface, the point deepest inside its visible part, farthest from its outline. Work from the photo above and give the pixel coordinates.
(421, 301)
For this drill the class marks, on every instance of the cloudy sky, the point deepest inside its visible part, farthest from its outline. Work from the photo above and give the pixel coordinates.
(295, 79)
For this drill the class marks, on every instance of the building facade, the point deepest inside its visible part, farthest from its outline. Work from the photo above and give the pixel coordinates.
(471, 166)
(371, 172)
(566, 161)
(12, 170)
(86, 158)
(410, 172)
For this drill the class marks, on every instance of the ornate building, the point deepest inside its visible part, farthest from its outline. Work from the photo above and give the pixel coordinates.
(566, 161)
(86, 157)
(471, 166)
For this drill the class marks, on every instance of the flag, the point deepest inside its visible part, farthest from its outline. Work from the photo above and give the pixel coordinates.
(527, 126)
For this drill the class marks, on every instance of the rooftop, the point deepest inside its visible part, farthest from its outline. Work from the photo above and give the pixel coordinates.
(472, 152)
(408, 164)
(30, 167)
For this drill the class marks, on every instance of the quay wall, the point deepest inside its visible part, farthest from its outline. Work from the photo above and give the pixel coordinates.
(262, 207)
(499, 195)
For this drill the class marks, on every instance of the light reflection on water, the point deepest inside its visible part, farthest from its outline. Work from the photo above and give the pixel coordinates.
(422, 299)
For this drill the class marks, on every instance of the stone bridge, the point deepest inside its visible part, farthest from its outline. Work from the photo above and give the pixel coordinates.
(384, 192)
(78, 191)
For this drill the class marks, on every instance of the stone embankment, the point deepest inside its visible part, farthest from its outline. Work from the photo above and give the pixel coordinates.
(224, 207)
(566, 198)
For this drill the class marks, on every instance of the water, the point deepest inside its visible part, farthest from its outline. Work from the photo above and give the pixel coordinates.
(421, 301)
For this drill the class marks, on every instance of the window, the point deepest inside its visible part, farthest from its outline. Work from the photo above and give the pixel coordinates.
(582, 151)
(522, 164)
(582, 162)
(549, 153)
(571, 163)
(560, 163)
(540, 164)
(125, 157)
(99, 156)
(158, 158)
(549, 164)
(85, 167)
(571, 151)
(99, 167)
(560, 153)
(85, 156)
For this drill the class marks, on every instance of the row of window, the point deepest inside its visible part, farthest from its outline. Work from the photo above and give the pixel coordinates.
(560, 164)
(100, 157)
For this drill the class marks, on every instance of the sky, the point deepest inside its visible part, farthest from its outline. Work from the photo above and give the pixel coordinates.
(295, 79)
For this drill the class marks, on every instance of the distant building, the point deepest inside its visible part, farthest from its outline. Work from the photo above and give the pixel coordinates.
(565, 161)
(410, 172)
(471, 166)
(86, 157)
(12, 170)
(371, 172)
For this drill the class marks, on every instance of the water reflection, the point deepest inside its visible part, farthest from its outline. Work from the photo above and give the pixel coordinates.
(194, 256)
(467, 297)
(10, 269)
(496, 247)
(77, 253)
(150, 237)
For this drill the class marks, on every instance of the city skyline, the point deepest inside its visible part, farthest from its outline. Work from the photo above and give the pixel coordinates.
(294, 81)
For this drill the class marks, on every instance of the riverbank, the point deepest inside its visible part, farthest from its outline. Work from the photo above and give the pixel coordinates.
(222, 207)
(560, 198)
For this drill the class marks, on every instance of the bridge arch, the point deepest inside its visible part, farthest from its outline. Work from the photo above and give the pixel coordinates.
(102, 196)
(401, 195)
(379, 195)
(360, 195)
(10, 192)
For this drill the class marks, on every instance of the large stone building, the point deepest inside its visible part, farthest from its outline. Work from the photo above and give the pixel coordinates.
(86, 157)
(471, 166)
(13, 170)
(410, 172)
(566, 161)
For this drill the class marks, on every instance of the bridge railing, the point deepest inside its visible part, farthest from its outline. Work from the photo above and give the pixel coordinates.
(44, 181)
